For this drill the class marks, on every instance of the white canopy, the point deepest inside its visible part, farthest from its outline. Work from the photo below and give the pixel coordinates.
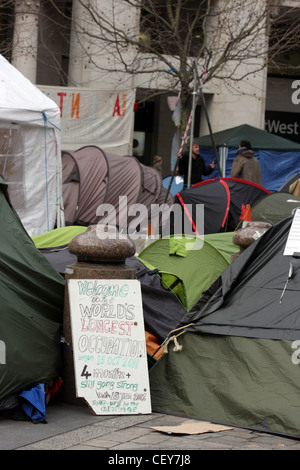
(30, 156)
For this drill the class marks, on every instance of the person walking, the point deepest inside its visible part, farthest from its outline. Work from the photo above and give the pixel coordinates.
(245, 166)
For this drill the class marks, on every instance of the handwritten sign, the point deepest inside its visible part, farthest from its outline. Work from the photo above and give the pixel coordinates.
(293, 242)
(109, 348)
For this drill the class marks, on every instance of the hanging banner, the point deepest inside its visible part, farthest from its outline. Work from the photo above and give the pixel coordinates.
(293, 242)
(109, 347)
(95, 117)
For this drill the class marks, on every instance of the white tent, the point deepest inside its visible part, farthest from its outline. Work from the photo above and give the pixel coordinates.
(30, 154)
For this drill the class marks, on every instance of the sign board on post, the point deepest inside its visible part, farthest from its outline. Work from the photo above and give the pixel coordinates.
(109, 348)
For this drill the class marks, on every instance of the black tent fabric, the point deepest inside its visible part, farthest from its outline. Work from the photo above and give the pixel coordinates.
(214, 196)
(59, 257)
(161, 308)
(241, 193)
(247, 298)
(31, 294)
(238, 361)
(224, 202)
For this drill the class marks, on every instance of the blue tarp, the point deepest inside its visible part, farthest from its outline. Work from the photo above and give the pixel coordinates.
(33, 403)
(176, 186)
(279, 158)
(276, 166)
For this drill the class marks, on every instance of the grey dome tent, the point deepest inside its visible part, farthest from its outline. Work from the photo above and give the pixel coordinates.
(275, 207)
(92, 177)
(239, 358)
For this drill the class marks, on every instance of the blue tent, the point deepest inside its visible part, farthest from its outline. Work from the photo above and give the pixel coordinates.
(279, 158)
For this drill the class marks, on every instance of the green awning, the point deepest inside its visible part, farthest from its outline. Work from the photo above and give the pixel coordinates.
(260, 139)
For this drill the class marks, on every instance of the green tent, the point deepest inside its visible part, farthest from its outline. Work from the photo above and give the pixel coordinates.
(57, 237)
(189, 265)
(260, 139)
(31, 295)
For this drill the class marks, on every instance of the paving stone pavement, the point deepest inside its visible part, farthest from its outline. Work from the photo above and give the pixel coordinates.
(75, 428)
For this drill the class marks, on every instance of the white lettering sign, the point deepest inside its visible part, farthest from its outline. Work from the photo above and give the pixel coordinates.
(296, 94)
(278, 127)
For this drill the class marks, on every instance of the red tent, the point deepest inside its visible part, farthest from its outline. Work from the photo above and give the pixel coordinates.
(224, 202)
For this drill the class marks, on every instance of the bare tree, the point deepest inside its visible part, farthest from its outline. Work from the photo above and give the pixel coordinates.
(6, 27)
(163, 43)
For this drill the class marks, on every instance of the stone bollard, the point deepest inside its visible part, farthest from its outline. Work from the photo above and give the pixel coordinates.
(247, 235)
(96, 259)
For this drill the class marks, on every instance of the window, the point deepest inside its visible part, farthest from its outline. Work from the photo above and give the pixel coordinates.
(168, 33)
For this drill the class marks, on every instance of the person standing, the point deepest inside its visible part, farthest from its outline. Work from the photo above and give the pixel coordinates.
(198, 169)
(245, 166)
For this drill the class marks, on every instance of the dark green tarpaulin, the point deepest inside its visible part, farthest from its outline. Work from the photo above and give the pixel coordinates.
(246, 299)
(275, 207)
(239, 357)
(236, 381)
(31, 308)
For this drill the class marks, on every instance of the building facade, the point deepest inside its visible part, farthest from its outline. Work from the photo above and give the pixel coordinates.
(50, 49)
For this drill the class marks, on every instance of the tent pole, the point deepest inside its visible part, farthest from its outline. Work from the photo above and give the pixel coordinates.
(192, 133)
(188, 126)
(178, 157)
(208, 122)
(171, 179)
